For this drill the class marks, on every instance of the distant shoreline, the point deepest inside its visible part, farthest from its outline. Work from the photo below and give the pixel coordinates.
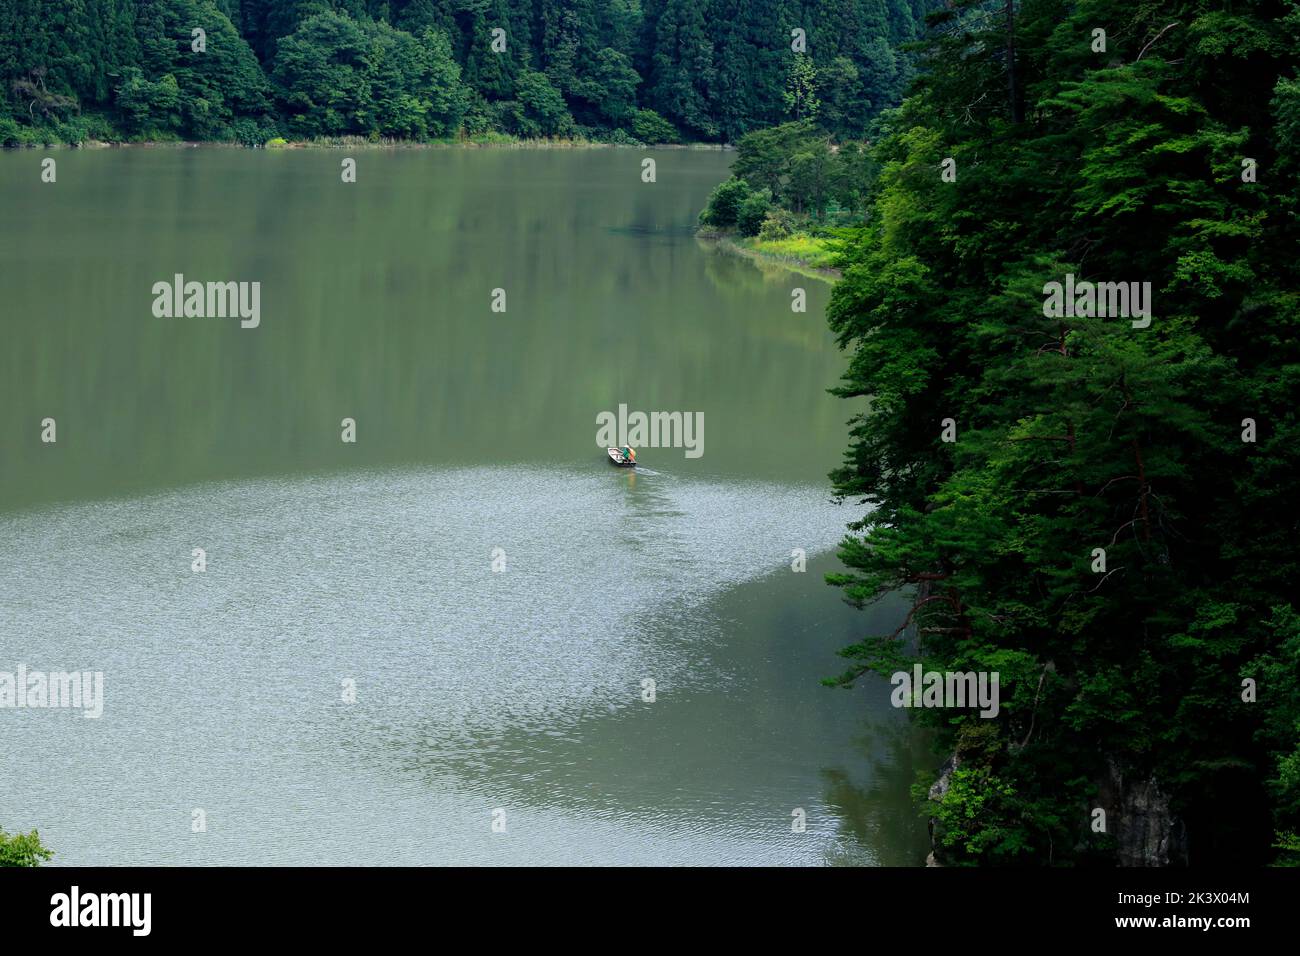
(361, 142)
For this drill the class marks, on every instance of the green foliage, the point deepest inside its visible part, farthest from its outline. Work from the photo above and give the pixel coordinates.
(977, 818)
(649, 127)
(681, 68)
(246, 132)
(195, 95)
(819, 182)
(12, 133)
(1082, 433)
(1288, 846)
(723, 207)
(346, 77)
(22, 849)
(803, 170)
(841, 104)
(615, 86)
(542, 110)
(425, 69)
(150, 108)
(764, 158)
(801, 88)
(796, 248)
(753, 210)
(777, 225)
(618, 138)
(1277, 673)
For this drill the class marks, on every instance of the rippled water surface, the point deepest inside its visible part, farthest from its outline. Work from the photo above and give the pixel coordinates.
(516, 689)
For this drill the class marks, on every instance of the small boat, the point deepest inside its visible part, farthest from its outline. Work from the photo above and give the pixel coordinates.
(616, 456)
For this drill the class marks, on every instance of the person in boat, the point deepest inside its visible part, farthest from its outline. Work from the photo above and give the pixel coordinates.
(628, 453)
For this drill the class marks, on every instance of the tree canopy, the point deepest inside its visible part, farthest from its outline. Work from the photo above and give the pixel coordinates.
(1101, 511)
(418, 69)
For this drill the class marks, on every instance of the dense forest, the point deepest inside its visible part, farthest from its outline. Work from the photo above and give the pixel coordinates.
(1098, 507)
(613, 70)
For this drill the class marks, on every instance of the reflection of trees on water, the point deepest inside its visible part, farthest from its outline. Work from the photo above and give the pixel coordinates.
(741, 734)
(380, 312)
(881, 813)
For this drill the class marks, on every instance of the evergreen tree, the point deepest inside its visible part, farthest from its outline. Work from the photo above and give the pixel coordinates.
(1079, 433)
(714, 69)
(682, 68)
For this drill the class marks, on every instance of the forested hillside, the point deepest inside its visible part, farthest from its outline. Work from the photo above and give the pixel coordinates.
(620, 70)
(1099, 506)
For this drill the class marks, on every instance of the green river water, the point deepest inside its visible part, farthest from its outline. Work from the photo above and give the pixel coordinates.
(514, 694)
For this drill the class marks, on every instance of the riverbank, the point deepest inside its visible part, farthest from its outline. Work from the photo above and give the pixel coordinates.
(799, 252)
(488, 141)
(493, 141)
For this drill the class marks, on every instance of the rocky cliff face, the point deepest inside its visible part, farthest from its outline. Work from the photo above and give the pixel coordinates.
(1137, 810)
(1138, 814)
(937, 790)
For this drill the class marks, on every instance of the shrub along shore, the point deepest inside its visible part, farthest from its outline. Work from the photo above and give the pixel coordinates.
(795, 194)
